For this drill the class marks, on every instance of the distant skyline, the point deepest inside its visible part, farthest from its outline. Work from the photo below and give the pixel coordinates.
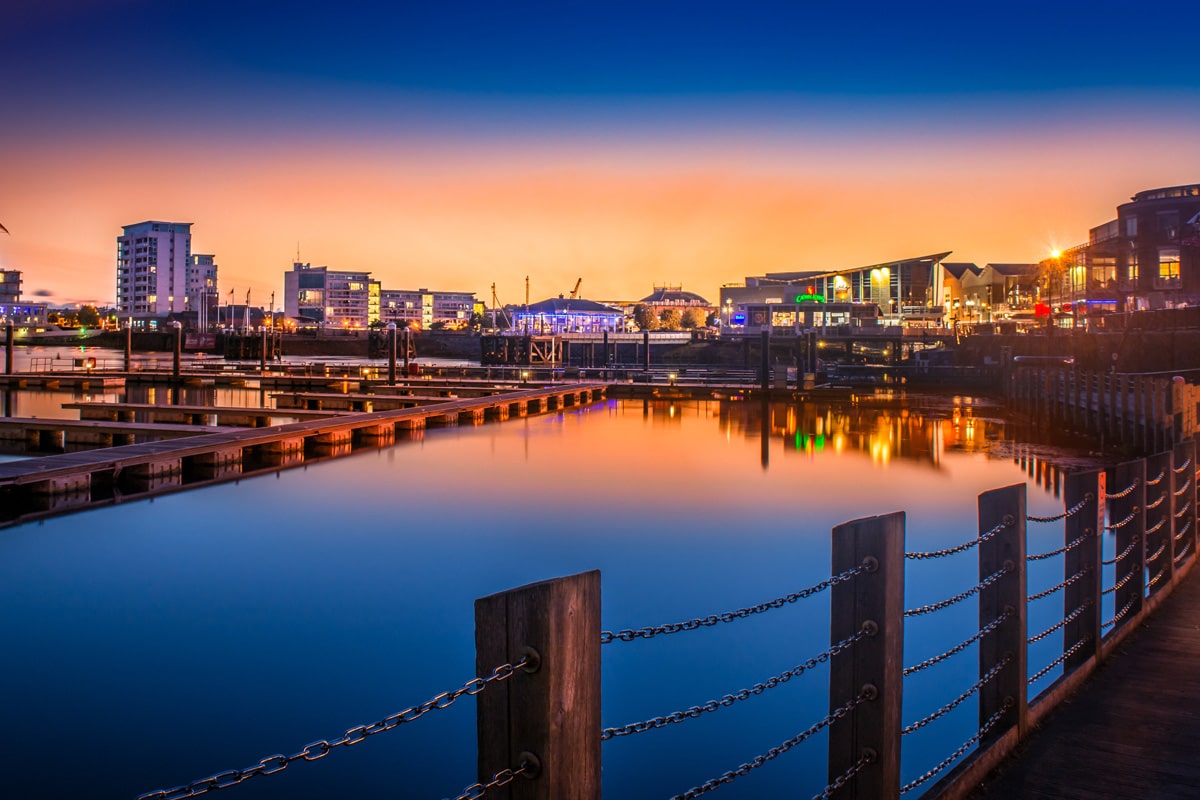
(455, 145)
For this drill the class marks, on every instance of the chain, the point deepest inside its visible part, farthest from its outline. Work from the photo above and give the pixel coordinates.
(1183, 529)
(628, 635)
(1157, 480)
(1071, 545)
(319, 749)
(953, 704)
(1117, 586)
(1186, 508)
(778, 750)
(1124, 553)
(1063, 622)
(1158, 577)
(958, 598)
(1070, 512)
(1161, 499)
(1128, 490)
(1075, 647)
(502, 778)
(1157, 553)
(949, 551)
(1124, 522)
(1156, 527)
(1183, 466)
(868, 757)
(984, 631)
(1179, 492)
(983, 731)
(1182, 554)
(730, 699)
(1062, 585)
(1120, 614)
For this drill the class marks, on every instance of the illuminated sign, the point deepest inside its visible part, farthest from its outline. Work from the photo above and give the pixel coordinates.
(739, 319)
(810, 297)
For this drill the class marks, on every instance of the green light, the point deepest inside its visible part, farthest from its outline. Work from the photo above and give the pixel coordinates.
(810, 298)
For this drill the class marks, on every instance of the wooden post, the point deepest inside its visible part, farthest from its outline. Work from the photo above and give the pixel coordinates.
(1184, 493)
(875, 599)
(1006, 549)
(1159, 487)
(178, 354)
(8, 349)
(1131, 534)
(1086, 488)
(128, 344)
(765, 360)
(391, 335)
(646, 350)
(553, 711)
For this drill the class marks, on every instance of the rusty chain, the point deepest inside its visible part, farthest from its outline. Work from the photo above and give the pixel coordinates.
(956, 702)
(1062, 585)
(1071, 545)
(1074, 615)
(1074, 648)
(730, 699)
(958, 598)
(958, 648)
(778, 750)
(983, 731)
(319, 749)
(1007, 521)
(1128, 490)
(628, 635)
(1070, 512)
(1157, 577)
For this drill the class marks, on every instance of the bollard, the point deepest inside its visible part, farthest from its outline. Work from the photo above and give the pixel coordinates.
(175, 364)
(551, 710)
(874, 664)
(1006, 549)
(262, 353)
(646, 350)
(1088, 522)
(128, 345)
(407, 350)
(391, 332)
(8, 349)
(766, 360)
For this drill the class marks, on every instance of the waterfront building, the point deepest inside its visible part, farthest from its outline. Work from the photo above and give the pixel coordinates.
(906, 292)
(1146, 258)
(568, 315)
(202, 294)
(997, 291)
(423, 309)
(14, 310)
(156, 273)
(328, 297)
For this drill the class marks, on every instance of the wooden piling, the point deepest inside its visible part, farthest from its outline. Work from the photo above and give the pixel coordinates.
(1004, 550)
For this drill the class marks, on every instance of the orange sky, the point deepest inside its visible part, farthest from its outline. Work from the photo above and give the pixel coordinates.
(623, 208)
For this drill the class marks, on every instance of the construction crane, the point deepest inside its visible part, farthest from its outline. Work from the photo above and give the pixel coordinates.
(575, 291)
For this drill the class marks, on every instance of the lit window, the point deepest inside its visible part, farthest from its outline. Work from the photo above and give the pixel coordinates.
(1168, 263)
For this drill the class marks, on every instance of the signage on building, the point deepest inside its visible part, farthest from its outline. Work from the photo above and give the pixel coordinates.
(810, 297)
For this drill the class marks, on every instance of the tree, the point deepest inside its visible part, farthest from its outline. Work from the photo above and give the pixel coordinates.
(643, 315)
(694, 318)
(88, 317)
(670, 319)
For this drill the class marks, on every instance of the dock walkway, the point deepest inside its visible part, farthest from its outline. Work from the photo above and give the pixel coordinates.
(1131, 731)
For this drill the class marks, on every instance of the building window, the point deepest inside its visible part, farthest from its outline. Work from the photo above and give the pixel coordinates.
(1133, 266)
(1168, 224)
(1168, 266)
(1104, 270)
(1131, 226)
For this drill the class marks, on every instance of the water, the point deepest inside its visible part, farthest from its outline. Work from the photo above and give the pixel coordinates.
(153, 643)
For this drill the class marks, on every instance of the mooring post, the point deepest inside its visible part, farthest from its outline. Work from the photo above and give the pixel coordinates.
(391, 333)
(872, 601)
(646, 350)
(175, 363)
(1128, 513)
(128, 345)
(765, 361)
(407, 350)
(547, 715)
(262, 352)
(1085, 490)
(8, 349)
(1002, 514)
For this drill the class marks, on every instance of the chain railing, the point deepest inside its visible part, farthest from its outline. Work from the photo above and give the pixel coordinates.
(315, 751)
(628, 635)
(1066, 654)
(1128, 490)
(1133, 543)
(956, 702)
(1070, 512)
(958, 648)
(1155, 481)
(958, 598)
(1007, 522)
(1120, 615)
(528, 767)
(1059, 587)
(1116, 526)
(984, 730)
(1119, 584)
(1066, 548)
(1068, 619)
(1182, 468)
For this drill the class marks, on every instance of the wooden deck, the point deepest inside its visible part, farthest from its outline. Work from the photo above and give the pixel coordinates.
(1131, 731)
(194, 414)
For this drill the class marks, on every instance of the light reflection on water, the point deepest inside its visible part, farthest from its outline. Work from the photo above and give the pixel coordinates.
(153, 643)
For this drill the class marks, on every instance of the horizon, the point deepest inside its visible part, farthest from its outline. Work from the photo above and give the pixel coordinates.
(460, 146)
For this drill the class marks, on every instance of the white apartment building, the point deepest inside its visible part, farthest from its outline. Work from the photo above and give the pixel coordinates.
(330, 298)
(423, 308)
(156, 273)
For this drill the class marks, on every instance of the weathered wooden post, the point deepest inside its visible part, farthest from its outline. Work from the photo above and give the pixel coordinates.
(1003, 510)
(872, 601)
(178, 355)
(391, 334)
(1128, 512)
(550, 710)
(1085, 490)
(8, 349)
(128, 345)
(1184, 516)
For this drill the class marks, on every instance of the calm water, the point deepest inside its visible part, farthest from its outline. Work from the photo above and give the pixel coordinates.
(153, 643)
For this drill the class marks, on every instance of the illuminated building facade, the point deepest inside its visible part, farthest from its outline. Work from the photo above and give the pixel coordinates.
(12, 309)
(156, 274)
(568, 315)
(328, 297)
(423, 309)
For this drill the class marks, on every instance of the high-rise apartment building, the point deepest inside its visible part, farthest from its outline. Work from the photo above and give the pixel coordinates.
(156, 272)
(330, 297)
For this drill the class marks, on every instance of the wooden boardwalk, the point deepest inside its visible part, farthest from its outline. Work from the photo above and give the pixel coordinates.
(1131, 731)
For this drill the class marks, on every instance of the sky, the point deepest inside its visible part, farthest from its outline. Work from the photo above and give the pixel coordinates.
(456, 145)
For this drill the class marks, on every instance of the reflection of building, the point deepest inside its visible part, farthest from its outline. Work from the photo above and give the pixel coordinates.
(567, 315)
(908, 291)
(12, 308)
(156, 274)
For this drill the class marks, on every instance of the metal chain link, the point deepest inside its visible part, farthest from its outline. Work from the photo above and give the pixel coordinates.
(730, 699)
(1183, 466)
(958, 648)
(1062, 585)
(1074, 648)
(1157, 480)
(1117, 586)
(502, 778)
(319, 749)
(1186, 508)
(1118, 525)
(1128, 490)
(984, 730)
(1070, 512)
(949, 551)
(1182, 554)
(1158, 577)
(958, 598)
(840, 781)
(1156, 526)
(1120, 614)
(956, 702)
(1183, 488)
(1161, 499)
(1183, 530)
(775, 752)
(1071, 545)
(1157, 553)
(628, 635)
(1134, 542)
(1060, 624)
